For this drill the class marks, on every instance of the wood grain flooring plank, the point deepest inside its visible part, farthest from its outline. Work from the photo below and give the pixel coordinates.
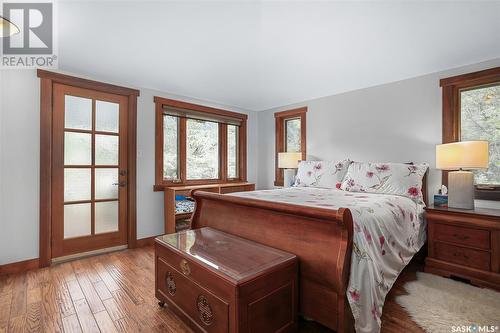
(93, 299)
(126, 284)
(19, 296)
(127, 325)
(50, 309)
(90, 270)
(105, 277)
(16, 324)
(104, 322)
(63, 296)
(6, 282)
(75, 290)
(102, 290)
(5, 302)
(34, 295)
(34, 318)
(71, 324)
(85, 317)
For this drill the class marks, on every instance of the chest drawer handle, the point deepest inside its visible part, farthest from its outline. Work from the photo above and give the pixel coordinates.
(186, 270)
(204, 310)
(170, 282)
(460, 254)
(461, 237)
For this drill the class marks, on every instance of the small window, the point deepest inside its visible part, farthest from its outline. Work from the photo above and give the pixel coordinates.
(480, 120)
(471, 111)
(290, 136)
(232, 151)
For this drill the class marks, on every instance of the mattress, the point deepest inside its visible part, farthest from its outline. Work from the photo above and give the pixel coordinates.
(388, 231)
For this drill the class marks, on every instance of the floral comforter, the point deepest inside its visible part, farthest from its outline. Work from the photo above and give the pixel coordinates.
(388, 231)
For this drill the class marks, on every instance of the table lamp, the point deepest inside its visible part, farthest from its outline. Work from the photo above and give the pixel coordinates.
(289, 162)
(461, 156)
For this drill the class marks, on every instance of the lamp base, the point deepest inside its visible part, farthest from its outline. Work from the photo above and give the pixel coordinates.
(461, 189)
(288, 177)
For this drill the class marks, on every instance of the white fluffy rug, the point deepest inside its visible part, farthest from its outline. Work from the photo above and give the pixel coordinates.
(442, 305)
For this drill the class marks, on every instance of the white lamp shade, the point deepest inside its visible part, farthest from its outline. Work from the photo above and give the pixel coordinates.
(464, 155)
(289, 160)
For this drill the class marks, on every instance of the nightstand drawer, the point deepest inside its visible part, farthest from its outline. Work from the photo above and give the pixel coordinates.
(462, 256)
(464, 236)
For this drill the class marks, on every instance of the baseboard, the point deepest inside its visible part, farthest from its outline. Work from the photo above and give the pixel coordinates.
(148, 241)
(26, 265)
(18, 267)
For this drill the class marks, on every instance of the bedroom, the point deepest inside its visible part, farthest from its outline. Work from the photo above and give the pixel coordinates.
(370, 81)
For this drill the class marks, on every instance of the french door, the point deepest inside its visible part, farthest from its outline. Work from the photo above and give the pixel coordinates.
(89, 170)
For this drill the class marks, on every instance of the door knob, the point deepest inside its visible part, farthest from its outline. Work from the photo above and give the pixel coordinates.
(121, 184)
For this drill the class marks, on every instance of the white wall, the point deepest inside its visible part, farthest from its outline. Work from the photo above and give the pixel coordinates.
(397, 122)
(19, 163)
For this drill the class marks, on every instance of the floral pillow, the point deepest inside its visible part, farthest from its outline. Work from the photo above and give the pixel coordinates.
(326, 174)
(388, 178)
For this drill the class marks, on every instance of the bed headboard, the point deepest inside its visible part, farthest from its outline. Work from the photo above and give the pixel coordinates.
(424, 188)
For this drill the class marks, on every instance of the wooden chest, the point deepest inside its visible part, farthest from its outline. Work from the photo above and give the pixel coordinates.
(217, 282)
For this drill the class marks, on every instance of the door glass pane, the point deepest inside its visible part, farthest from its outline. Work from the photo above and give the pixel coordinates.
(77, 184)
(292, 135)
(77, 112)
(232, 151)
(170, 147)
(480, 120)
(77, 148)
(106, 217)
(104, 180)
(106, 116)
(77, 220)
(202, 149)
(106, 149)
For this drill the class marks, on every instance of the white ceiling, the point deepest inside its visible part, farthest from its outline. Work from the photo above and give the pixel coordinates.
(259, 55)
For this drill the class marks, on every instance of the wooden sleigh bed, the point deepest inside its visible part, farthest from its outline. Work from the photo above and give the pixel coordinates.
(321, 238)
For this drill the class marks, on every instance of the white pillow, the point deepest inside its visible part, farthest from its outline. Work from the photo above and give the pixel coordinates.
(326, 174)
(388, 178)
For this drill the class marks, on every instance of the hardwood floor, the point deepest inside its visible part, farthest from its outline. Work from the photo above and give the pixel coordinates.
(115, 293)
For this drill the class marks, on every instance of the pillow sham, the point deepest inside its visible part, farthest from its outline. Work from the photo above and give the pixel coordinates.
(388, 178)
(326, 174)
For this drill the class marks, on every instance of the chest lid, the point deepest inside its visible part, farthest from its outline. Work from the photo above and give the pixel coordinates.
(226, 254)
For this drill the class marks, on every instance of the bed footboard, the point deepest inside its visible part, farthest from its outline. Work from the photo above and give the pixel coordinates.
(321, 238)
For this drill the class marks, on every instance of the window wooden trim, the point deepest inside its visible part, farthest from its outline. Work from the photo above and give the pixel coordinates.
(280, 118)
(47, 80)
(161, 183)
(451, 87)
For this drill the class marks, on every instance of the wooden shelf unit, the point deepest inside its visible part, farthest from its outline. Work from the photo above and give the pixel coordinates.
(171, 217)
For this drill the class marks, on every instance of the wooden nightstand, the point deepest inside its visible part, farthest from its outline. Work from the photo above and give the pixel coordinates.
(464, 244)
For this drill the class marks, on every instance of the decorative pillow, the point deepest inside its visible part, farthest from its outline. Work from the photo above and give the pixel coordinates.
(326, 174)
(388, 178)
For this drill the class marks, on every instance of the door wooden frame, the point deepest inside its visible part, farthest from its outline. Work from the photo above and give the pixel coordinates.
(47, 80)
